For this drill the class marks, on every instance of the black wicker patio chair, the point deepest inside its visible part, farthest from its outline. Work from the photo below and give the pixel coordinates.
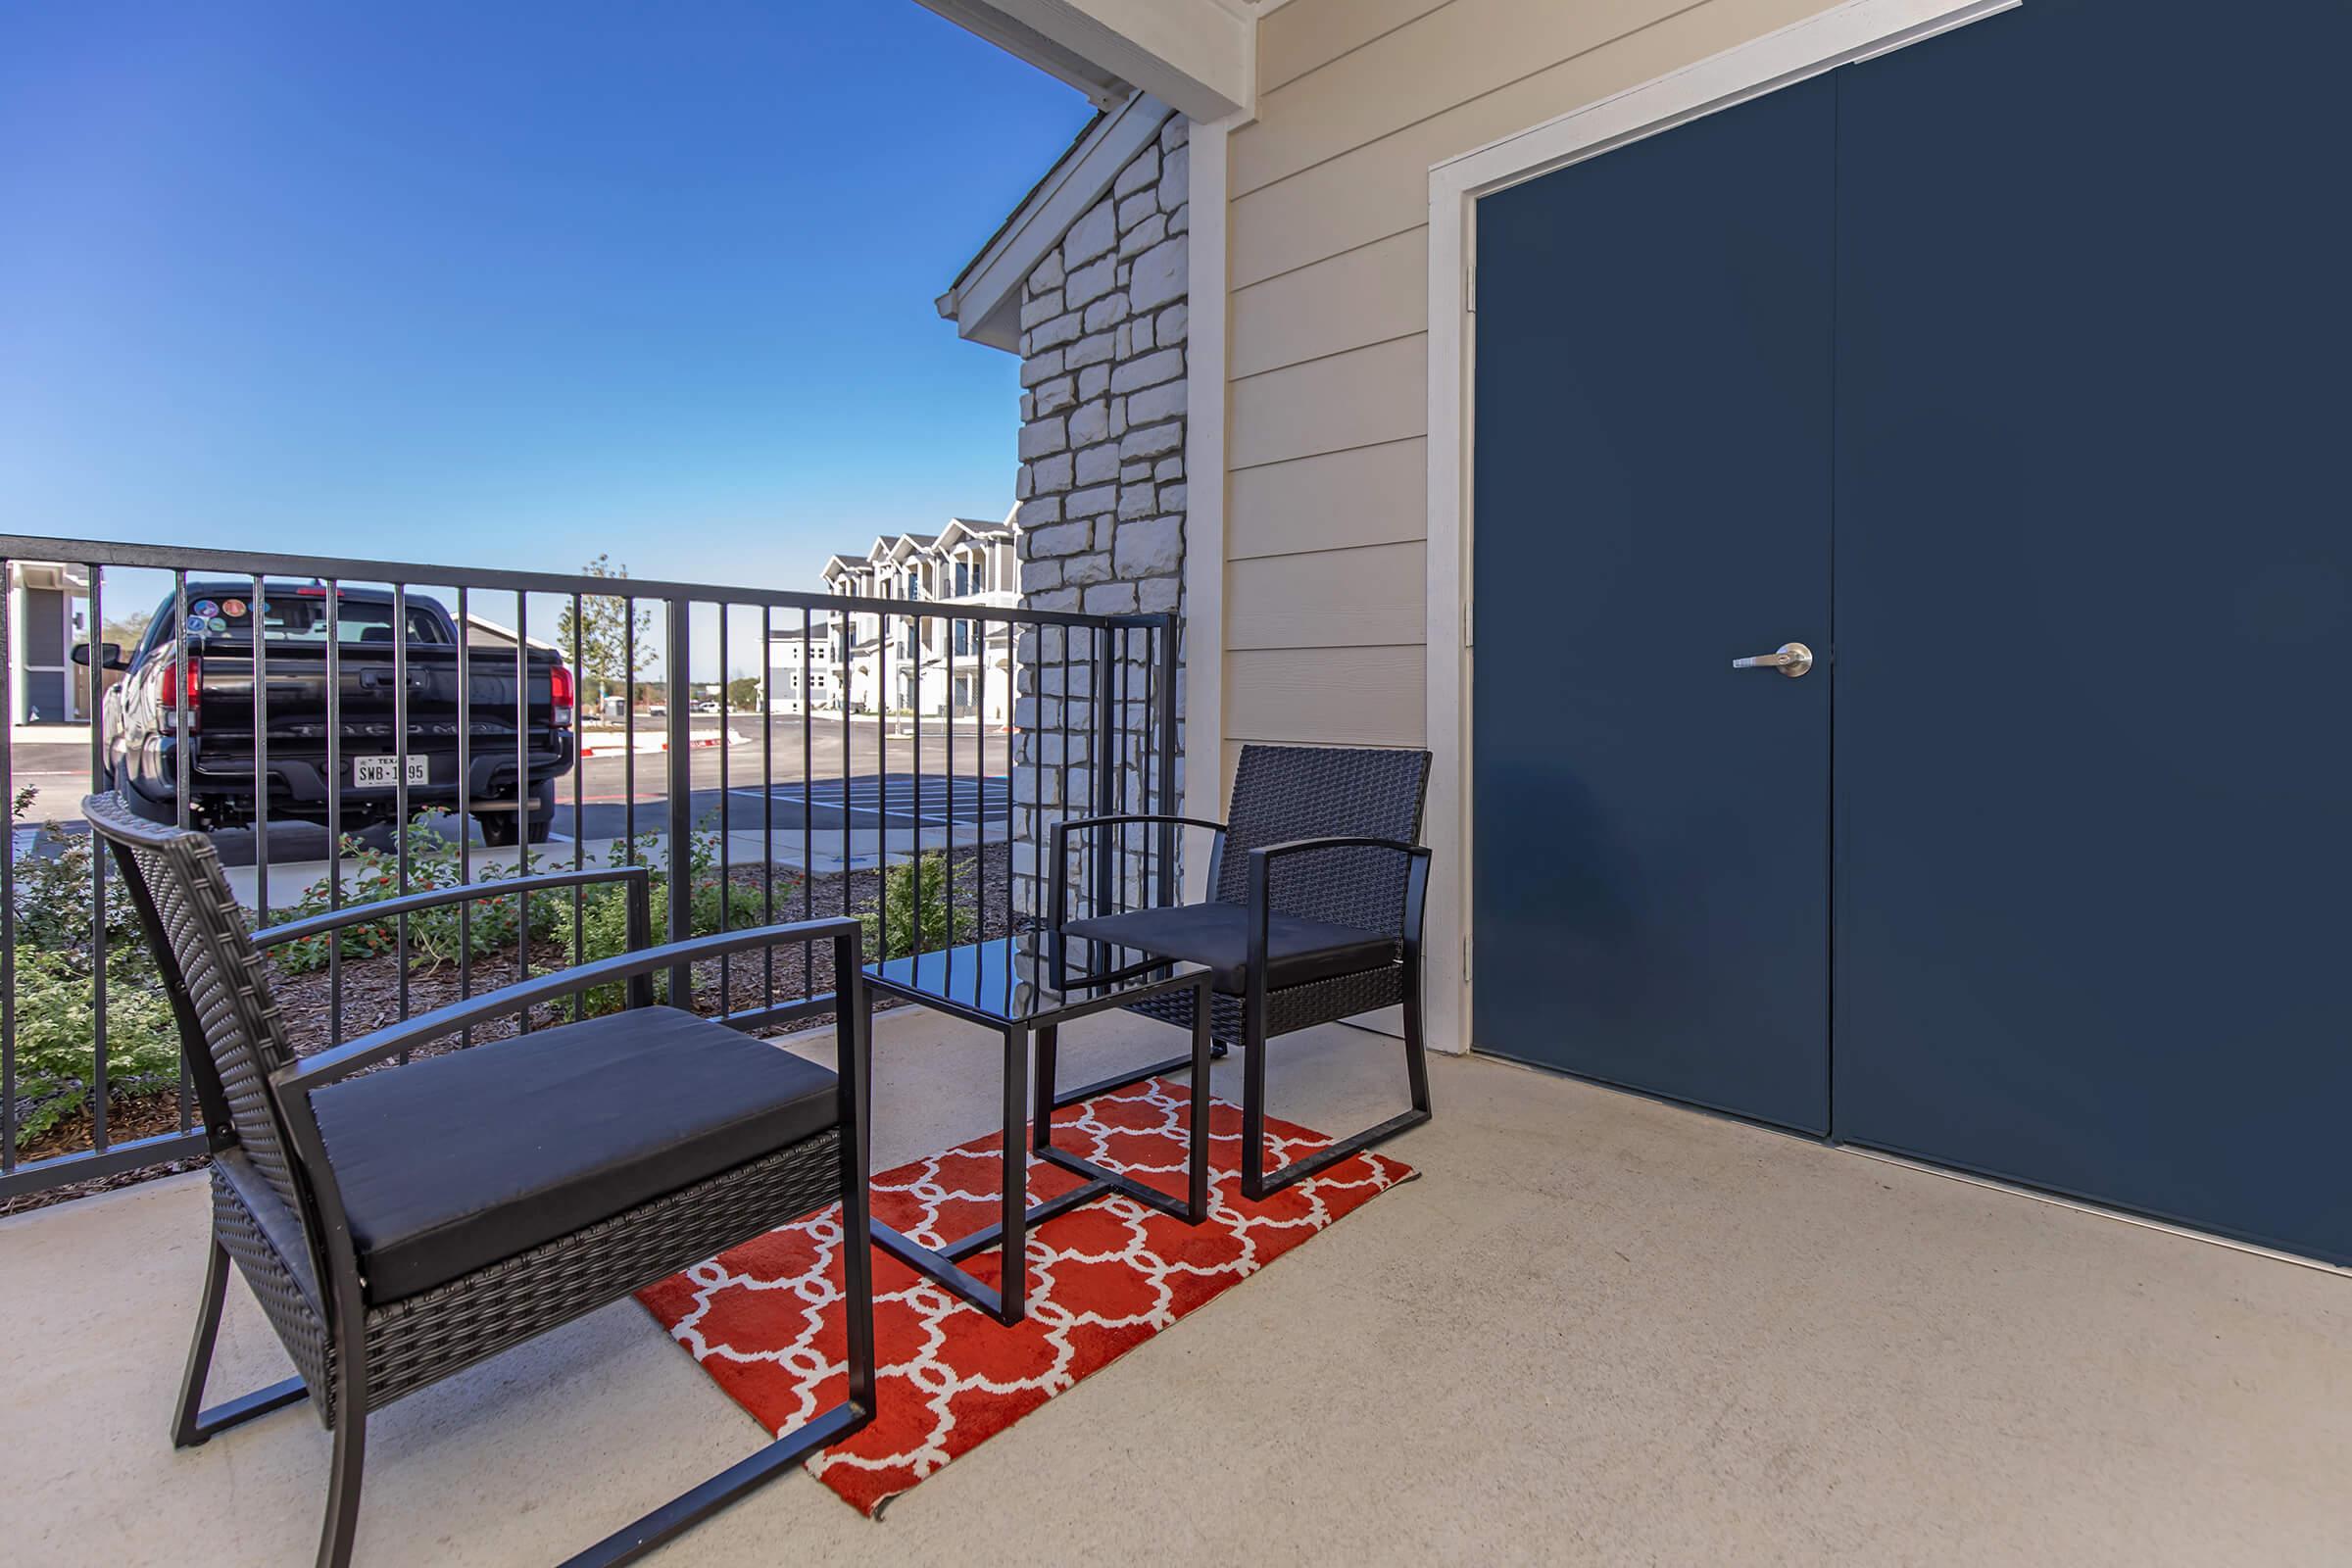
(400, 1224)
(1316, 886)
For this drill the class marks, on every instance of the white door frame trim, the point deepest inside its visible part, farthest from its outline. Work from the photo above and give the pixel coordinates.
(1857, 30)
(1202, 716)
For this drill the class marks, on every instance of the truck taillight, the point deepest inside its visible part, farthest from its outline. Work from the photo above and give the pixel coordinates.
(177, 686)
(560, 690)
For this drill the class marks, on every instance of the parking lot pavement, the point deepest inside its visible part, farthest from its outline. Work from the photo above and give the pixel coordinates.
(780, 772)
(883, 800)
(59, 775)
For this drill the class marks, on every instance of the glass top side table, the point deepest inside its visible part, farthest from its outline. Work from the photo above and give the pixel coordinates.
(1014, 986)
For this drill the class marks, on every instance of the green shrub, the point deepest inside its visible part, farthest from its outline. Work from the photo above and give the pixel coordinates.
(53, 899)
(55, 1036)
(56, 1046)
(915, 909)
(435, 936)
(56, 1039)
(603, 918)
(603, 933)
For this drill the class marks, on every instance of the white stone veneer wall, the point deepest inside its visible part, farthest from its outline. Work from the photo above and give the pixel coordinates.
(1102, 485)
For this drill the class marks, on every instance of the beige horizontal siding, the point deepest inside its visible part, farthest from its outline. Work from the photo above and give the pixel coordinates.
(1325, 696)
(1372, 494)
(1347, 400)
(1359, 297)
(1292, 42)
(1327, 236)
(1331, 599)
(1466, 51)
(1381, 187)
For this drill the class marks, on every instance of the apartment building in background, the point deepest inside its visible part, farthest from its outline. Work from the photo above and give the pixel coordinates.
(932, 665)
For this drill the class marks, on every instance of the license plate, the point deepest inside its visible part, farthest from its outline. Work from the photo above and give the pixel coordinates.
(383, 772)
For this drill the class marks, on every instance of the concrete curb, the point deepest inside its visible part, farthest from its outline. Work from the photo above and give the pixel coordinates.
(660, 745)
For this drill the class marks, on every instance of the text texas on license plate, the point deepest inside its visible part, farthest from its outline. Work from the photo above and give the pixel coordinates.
(383, 772)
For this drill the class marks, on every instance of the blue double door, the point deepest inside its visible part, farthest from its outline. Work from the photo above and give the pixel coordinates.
(2018, 397)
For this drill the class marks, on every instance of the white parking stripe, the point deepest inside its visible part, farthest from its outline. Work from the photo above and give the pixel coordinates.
(934, 800)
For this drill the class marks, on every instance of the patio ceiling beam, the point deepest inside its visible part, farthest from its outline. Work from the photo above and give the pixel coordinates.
(1198, 56)
(1103, 89)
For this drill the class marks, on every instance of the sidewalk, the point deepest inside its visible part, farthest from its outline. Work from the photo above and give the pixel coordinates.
(745, 849)
(49, 735)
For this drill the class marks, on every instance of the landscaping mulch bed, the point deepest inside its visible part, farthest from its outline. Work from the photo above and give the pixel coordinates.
(370, 997)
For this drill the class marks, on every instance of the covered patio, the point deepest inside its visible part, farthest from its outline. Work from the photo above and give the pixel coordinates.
(1709, 1316)
(1598, 1329)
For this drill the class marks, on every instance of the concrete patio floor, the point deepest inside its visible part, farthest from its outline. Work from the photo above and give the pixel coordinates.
(1598, 1330)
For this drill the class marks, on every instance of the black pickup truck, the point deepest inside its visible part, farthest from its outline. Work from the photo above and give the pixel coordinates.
(209, 675)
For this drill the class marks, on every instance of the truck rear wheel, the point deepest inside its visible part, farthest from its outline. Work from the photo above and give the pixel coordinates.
(498, 827)
(158, 811)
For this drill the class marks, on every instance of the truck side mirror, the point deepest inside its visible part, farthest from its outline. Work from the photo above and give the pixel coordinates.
(110, 656)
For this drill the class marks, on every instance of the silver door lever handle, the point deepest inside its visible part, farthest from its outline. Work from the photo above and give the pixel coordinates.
(1790, 659)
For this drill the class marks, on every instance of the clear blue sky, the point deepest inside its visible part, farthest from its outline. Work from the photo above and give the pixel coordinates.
(504, 284)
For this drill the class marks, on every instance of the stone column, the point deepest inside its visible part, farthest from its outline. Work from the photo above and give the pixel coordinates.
(1102, 485)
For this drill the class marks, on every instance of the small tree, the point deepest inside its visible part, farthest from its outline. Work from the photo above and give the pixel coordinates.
(127, 630)
(742, 694)
(603, 628)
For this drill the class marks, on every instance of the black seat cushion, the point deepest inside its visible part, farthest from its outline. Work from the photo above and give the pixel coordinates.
(454, 1162)
(1217, 935)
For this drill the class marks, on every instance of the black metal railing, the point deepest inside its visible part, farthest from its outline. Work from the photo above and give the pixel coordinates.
(808, 818)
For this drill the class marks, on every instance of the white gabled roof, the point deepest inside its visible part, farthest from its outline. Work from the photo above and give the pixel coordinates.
(819, 627)
(499, 634)
(985, 300)
(959, 530)
(890, 548)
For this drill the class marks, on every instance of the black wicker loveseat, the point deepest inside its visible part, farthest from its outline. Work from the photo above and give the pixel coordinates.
(400, 1220)
(1316, 884)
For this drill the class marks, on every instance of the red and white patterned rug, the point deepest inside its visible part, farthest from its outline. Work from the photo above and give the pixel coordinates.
(764, 1319)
